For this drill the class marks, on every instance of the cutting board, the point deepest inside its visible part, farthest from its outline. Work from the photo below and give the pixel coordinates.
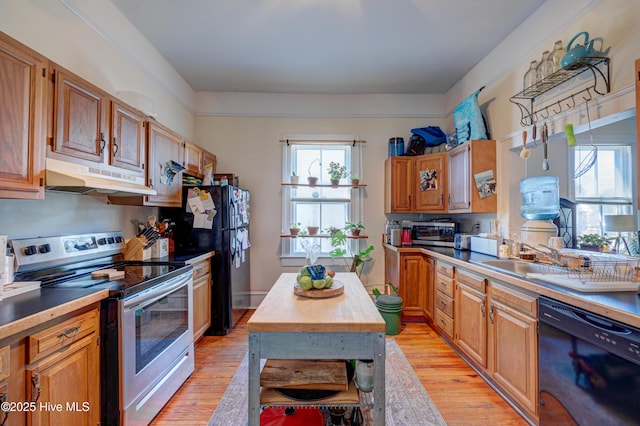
(305, 374)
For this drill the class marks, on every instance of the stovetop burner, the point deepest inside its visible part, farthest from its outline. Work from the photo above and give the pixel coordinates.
(67, 262)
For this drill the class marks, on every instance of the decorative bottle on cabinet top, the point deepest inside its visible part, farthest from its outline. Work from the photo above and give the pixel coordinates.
(555, 58)
(541, 70)
(530, 76)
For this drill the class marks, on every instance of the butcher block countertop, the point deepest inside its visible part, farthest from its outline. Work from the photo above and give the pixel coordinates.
(284, 311)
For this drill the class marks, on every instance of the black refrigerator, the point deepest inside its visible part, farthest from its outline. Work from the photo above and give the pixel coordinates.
(217, 218)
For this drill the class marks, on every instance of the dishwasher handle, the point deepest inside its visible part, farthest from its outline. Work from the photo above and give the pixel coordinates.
(601, 323)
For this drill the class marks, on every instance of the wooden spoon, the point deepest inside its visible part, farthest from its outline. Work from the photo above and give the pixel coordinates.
(524, 154)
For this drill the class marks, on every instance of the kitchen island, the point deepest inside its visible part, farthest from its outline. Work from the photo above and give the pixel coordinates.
(287, 326)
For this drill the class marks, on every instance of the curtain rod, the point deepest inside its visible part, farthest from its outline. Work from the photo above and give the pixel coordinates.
(307, 141)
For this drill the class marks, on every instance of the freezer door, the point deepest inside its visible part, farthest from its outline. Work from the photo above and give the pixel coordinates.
(240, 275)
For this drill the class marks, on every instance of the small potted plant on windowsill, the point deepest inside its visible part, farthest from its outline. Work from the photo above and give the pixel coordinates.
(355, 179)
(313, 180)
(336, 172)
(332, 230)
(313, 230)
(294, 178)
(593, 242)
(355, 228)
(294, 228)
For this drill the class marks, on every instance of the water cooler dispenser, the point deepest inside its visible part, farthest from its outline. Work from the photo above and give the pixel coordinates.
(540, 205)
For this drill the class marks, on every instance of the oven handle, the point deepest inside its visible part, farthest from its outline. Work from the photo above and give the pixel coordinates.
(156, 292)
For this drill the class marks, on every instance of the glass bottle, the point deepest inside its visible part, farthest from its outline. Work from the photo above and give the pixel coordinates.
(555, 58)
(541, 70)
(530, 76)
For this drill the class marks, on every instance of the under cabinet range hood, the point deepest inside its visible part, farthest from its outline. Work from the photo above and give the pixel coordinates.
(63, 176)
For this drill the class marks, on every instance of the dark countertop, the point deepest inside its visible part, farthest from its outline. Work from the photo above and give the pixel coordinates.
(623, 306)
(26, 310)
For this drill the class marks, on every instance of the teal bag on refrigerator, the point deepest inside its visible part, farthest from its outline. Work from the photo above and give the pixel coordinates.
(468, 119)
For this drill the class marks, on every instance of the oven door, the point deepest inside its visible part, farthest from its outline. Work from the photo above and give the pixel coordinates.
(156, 339)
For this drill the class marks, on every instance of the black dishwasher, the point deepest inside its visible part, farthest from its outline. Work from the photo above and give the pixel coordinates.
(589, 367)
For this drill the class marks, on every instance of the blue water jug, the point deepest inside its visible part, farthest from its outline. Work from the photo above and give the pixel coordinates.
(396, 146)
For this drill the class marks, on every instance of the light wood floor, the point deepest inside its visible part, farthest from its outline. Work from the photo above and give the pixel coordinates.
(461, 396)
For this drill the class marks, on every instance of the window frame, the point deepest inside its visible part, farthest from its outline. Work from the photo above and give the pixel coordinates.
(356, 207)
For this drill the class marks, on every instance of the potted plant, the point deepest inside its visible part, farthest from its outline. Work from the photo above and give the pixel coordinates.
(313, 230)
(336, 172)
(593, 242)
(313, 180)
(342, 248)
(355, 179)
(355, 228)
(294, 228)
(294, 178)
(332, 230)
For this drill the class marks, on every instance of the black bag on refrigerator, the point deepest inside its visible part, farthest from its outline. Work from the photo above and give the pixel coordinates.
(417, 144)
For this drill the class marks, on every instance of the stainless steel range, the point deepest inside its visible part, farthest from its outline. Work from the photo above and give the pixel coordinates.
(146, 322)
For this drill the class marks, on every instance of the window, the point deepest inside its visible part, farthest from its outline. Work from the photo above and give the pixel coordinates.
(603, 189)
(321, 205)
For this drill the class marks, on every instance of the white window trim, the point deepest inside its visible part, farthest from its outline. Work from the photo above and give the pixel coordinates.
(357, 201)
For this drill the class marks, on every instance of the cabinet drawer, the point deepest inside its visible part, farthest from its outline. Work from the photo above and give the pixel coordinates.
(201, 268)
(5, 362)
(444, 269)
(61, 335)
(444, 284)
(444, 303)
(522, 302)
(444, 322)
(471, 280)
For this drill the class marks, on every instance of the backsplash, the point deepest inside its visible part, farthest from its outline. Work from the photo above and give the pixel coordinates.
(61, 213)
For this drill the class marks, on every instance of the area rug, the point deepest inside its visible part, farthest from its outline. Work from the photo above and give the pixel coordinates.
(407, 402)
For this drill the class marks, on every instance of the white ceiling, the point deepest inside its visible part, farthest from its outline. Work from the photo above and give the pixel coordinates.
(325, 46)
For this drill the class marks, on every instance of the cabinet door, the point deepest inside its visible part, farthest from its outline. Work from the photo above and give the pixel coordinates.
(413, 287)
(164, 146)
(69, 379)
(459, 169)
(127, 138)
(430, 182)
(398, 185)
(209, 159)
(470, 324)
(79, 110)
(201, 306)
(192, 160)
(22, 124)
(429, 265)
(514, 353)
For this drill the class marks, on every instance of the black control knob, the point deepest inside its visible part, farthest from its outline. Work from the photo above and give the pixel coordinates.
(119, 239)
(102, 241)
(110, 240)
(44, 248)
(30, 250)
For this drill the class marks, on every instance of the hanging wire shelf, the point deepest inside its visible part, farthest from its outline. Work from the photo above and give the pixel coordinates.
(599, 67)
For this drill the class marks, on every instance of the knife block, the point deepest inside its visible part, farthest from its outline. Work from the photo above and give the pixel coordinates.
(135, 248)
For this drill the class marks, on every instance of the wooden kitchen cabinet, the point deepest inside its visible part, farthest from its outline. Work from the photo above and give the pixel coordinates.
(164, 146)
(128, 140)
(79, 119)
(64, 370)
(513, 344)
(430, 183)
(23, 97)
(465, 163)
(412, 275)
(201, 298)
(398, 184)
(444, 298)
(192, 160)
(470, 323)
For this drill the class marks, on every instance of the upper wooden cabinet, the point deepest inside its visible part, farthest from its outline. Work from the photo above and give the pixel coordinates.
(430, 183)
(192, 161)
(22, 120)
(164, 146)
(398, 184)
(89, 126)
(128, 145)
(472, 179)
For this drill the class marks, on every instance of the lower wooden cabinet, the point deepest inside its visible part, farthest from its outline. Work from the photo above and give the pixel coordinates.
(412, 274)
(470, 316)
(444, 298)
(201, 298)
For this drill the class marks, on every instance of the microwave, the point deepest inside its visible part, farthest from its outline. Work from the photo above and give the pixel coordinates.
(434, 233)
